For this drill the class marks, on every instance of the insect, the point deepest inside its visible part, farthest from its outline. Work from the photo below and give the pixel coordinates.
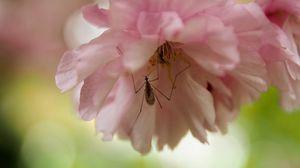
(150, 89)
(165, 55)
(149, 94)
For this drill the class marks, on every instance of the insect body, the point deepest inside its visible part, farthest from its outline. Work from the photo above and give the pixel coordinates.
(165, 53)
(149, 94)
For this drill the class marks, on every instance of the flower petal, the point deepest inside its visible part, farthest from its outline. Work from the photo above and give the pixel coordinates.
(96, 88)
(143, 129)
(202, 98)
(137, 52)
(167, 24)
(223, 116)
(124, 14)
(79, 63)
(202, 109)
(214, 48)
(95, 15)
(243, 17)
(210, 60)
(186, 9)
(170, 126)
(116, 106)
(280, 77)
(225, 44)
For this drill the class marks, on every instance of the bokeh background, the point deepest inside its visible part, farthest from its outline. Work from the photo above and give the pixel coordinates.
(39, 127)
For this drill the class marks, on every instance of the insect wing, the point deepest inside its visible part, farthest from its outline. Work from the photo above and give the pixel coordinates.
(149, 94)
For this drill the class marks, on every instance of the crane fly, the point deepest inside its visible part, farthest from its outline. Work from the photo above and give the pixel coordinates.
(164, 55)
(149, 91)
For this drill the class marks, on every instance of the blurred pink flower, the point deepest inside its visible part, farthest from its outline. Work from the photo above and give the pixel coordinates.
(284, 67)
(207, 52)
(32, 30)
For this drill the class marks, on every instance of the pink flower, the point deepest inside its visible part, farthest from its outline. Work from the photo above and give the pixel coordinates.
(204, 53)
(284, 67)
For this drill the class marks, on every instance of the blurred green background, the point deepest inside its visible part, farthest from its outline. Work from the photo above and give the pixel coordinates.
(39, 127)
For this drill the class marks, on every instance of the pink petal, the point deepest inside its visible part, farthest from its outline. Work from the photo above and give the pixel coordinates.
(244, 17)
(196, 104)
(281, 78)
(79, 63)
(95, 15)
(291, 101)
(124, 14)
(96, 88)
(253, 79)
(186, 9)
(210, 60)
(196, 127)
(288, 6)
(218, 85)
(223, 116)
(137, 52)
(288, 42)
(167, 24)
(252, 84)
(240, 95)
(214, 48)
(294, 70)
(196, 28)
(225, 44)
(202, 100)
(143, 129)
(170, 127)
(116, 106)
(170, 121)
(251, 39)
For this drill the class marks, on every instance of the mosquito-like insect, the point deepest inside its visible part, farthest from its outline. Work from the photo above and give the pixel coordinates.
(148, 94)
(164, 56)
(149, 91)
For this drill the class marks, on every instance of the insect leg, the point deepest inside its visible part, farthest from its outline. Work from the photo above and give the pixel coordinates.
(173, 84)
(158, 101)
(179, 73)
(168, 98)
(140, 108)
(137, 117)
(136, 91)
(157, 77)
(152, 80)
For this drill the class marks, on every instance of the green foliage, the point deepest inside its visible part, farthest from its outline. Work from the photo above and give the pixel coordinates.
(273, 135)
